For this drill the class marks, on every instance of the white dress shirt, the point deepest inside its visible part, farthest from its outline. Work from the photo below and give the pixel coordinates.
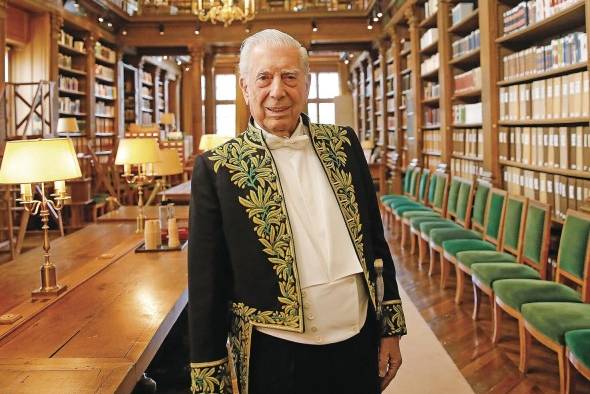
(330, 275)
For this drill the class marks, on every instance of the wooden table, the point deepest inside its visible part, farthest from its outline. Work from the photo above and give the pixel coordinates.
(178, 193)
(127, 213)
(101, 334)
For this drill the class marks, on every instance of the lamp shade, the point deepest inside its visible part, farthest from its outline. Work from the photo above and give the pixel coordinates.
(169, 164)
(137, 151)
(167, 118)
(40, 160)
(67, 125)
(210, 141)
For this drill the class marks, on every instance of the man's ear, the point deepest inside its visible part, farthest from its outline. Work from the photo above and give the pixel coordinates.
(244, 88)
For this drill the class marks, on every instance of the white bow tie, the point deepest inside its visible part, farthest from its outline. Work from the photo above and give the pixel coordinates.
(299, 142)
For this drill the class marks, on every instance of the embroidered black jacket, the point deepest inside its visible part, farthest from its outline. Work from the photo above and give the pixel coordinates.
(241, 258)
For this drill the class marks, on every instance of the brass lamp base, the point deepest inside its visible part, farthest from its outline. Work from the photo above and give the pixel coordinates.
(50, 292)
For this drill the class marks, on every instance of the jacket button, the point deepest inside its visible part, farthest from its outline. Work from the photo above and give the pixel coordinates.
(314, 329)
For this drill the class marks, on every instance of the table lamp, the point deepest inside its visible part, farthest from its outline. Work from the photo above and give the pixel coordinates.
(67, 125)
(210, 141)
(168, 119)
(169, 165)
(27, 162)
(141, 153)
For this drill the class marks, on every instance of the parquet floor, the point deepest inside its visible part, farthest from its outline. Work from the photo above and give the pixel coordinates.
(487, 368)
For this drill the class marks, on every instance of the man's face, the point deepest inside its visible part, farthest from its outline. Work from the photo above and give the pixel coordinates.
(275, 88)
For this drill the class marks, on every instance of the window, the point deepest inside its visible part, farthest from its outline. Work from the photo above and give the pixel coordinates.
(7, 64)
(320, 104)
(225, 104)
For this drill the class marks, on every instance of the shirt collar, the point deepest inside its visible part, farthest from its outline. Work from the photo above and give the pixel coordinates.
(299, 130)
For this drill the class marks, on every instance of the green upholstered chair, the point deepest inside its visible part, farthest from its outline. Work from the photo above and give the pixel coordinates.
(404, 196)
(411, 196)
(549, 323)
(511, 214)
(572, 266)
(418, 224)
(577, 351)
(437, 199)
(531, 249)
(462, 221)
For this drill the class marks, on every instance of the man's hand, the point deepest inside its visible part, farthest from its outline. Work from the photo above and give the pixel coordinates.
(390, 359)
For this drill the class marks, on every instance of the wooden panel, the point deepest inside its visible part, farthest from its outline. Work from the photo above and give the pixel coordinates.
(17, 25)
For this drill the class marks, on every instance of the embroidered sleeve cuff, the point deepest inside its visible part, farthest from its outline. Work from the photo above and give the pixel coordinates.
(211, 377)
(393, 321)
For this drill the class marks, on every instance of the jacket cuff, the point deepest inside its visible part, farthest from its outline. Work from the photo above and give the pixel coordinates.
(393, 322)
(211, 377)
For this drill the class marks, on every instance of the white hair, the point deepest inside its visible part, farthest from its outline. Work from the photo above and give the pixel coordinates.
(270, 38)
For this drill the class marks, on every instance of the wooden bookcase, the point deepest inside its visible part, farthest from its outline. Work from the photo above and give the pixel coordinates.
(486, 110)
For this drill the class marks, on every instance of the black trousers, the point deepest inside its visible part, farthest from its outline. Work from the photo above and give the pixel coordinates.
(348, 367)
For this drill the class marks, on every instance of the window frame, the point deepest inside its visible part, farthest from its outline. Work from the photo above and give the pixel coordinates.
(317, 101)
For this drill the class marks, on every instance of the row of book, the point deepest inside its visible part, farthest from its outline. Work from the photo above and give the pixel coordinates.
(390, 69)
(560, 52)
(431, 141)
(467, 113)
(105, 125)
(65, 61)
(68, 40)
(105, 90)
(567, 148)
(460, 11)
(406, 82)
(104, 144)
(430, 7)
(566, 96)
(468, 80)
(528, 13)
(431, 162)
(431, 89)
(390, 104)
(104, 72)
(69, 83)
(466, 44)
(147, 92)
(104, 52)
(429, 37)
(465, 168)
(431, 116)
(69, 105)
(146, 78)
(103, 109)
(430, 64)
(468, 142)
(389, 85)
(146, 103)
(561, 192)
(390, 123)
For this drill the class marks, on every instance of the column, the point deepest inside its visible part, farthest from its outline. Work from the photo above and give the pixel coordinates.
(196, 53)
(415, 135)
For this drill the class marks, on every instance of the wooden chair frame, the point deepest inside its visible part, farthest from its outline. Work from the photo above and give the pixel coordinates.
(572, 361)
(424, 201)
(521, 258)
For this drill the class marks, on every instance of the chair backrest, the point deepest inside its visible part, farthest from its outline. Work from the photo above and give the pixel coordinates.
(535, 237)
(414, 182)
(573, 258)
(494, 213)
(408, 177)
(464, 203)
(512, 221)
(480, 204)
(434, 177)
(425, 180)
(453, 194)
(439, 202)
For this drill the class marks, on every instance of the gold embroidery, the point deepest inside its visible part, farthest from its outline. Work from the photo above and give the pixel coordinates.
(393, 322)
(210, 377)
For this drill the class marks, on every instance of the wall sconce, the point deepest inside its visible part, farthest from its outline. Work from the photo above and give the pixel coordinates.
(197, 29)
(314, 26)
(161, 28)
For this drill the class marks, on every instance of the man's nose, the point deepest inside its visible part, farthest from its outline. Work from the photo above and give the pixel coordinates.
(277, 89)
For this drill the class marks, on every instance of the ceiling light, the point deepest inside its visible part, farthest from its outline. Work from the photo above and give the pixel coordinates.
(161, 29)
(314, 26)
(346, 61)
(197, 29)
(124, 32)
(109, 24)
(100, 19)
(370, 24)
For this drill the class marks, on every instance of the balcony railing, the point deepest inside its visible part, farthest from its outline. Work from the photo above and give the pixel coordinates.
(188, 7)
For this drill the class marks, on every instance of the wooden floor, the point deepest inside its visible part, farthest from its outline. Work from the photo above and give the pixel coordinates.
(487, 368)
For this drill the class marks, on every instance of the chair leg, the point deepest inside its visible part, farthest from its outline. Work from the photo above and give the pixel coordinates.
(476, 302)
(412, 241)
(570, 378)
(460, 288)
(432, 254)
(525, 339)
(403, 232)
(497, 322)
(421, 249)
(444, 271)
(562, 362)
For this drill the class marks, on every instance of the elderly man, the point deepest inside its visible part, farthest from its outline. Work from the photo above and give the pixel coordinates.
(284, 233)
